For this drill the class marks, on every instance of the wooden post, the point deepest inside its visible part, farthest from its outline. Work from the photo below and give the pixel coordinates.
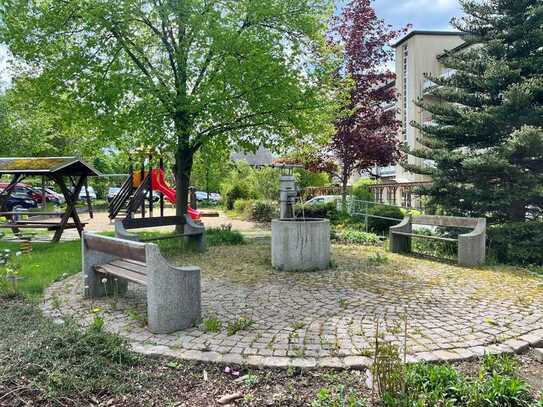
(161, 166)
(89, 203)
(142, 178)
(150, 186)
(43, 194)
(71, 200)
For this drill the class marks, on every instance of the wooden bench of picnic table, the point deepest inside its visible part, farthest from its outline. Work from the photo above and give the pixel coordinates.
(173, 293)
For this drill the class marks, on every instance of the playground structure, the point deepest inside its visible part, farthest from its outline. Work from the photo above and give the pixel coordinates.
(298, 243)
(136, 194)
(69, 173)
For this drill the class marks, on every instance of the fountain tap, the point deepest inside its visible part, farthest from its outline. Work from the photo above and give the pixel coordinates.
(287, 198)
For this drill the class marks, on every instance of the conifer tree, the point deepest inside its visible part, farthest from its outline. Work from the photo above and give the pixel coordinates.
(484, 146)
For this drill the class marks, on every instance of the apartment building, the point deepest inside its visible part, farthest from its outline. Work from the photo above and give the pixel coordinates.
(416, 55)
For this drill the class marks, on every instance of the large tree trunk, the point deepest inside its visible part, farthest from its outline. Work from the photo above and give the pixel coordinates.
(183, 168)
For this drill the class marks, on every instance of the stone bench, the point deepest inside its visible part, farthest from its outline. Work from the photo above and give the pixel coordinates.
(471, 246)
(173, 293)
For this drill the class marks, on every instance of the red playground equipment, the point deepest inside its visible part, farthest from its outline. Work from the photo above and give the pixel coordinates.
(136, 194)
(158, 183)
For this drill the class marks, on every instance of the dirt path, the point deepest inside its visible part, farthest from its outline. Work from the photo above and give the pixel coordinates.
(101, 222)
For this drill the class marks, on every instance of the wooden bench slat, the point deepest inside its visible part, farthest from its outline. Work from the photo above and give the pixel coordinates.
(446, 239)
(137, 268)
(129, 275)
(124, 249)
(140, 263)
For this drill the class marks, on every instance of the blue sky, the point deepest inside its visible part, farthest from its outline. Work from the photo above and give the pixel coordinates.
(422, 14)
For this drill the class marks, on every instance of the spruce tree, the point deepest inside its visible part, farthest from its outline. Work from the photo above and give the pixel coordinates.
(484, 146)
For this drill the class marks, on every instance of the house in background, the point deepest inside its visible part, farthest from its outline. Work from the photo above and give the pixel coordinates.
(417, 54)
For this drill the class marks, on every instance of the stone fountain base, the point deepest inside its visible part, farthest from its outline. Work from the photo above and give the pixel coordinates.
(300, 244)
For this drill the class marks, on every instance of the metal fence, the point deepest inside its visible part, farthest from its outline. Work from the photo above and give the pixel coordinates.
(356, 207)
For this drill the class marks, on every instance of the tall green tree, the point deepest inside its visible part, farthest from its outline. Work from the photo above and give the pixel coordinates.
(484, 149)
(181, 73)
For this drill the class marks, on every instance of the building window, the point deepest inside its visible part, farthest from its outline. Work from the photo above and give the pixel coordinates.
(404, 93)
(406, 198)
(391, 195)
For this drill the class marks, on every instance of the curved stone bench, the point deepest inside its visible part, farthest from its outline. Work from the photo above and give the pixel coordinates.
(471, 246)
(173, 293)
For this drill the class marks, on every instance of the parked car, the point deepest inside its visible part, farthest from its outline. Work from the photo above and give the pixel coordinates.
(203, 196)
(91, 193)
(18, 201)
(50, 196)
(322, 199)
(111, 193)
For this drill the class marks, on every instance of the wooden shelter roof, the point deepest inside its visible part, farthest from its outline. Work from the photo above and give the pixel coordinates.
(46, 166)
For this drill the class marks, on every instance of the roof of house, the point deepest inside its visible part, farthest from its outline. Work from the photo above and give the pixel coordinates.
(426, 32)
(262, 156)
(46, 165)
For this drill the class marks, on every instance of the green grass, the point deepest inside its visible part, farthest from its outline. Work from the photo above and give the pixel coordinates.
(47, 263)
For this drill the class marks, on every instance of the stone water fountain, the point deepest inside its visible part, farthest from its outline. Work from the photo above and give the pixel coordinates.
(298, 243)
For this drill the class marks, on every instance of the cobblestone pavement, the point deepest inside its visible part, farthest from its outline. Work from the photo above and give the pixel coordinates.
(330, 318)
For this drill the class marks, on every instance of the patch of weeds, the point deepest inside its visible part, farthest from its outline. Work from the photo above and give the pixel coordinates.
(343, 303)
(241, 324)
(136, 316)
(251, 380)
(498, 364)
(377, 259)
(60, 361)
(297, 325)
(212, 324)
(339, 396)
(175, 364)
(223, 235)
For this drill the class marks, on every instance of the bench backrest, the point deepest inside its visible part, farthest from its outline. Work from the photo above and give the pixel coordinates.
(449, 221)
(137, 223)
(124, 249)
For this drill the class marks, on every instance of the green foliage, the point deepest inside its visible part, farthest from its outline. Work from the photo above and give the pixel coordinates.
(361, 190)
(240, 324)
(47, 263)
(223, 235)
(338, 397)
(325, 210)
(377, 259)
(60, 359)
(264, 211)
(212, 324)
(516, 242)
(233, 193)
(211, 163)
(496, 385)
(305, 179)
(243, 207)
(355, 236)
(381, 226)
(432, 247)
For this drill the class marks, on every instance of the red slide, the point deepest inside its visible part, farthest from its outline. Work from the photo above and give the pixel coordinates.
(159, 184)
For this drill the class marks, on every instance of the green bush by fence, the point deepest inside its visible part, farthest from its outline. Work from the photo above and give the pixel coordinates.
(381, 226)
(517, 242)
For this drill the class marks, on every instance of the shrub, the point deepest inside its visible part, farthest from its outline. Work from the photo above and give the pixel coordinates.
(381, 226)
(223, 235)
(326, 210)
(361, 190)
(350, 235)
(243, 206)
(233, 193)
(435, 248)
(263, 211)
(517, 242)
